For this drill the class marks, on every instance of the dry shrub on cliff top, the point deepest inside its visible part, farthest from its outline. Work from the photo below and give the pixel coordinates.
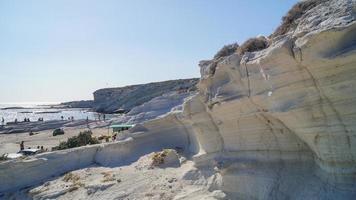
(253, 44)
(289, 20)
(226, 50)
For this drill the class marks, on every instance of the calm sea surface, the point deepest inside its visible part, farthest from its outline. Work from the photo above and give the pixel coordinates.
(33, 111)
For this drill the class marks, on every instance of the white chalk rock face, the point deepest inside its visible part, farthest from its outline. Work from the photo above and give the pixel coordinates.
(158, 106)
(296, 95)
(289, 107)
(278, 123)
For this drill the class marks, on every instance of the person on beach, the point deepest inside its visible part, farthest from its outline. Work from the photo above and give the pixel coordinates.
(22, 145)
(2, 121)
(15, 120)
(104, 117)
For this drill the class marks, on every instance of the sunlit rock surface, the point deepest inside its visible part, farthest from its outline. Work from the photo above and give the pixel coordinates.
(156, 107)
(109, 100)
(278, 123)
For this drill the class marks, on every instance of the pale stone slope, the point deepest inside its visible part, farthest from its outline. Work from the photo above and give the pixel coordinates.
(278, 123)
(110, 99)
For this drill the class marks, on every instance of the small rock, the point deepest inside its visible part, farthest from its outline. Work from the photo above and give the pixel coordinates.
(171, 180)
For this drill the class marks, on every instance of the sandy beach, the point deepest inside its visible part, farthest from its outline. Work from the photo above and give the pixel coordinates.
(9, 143)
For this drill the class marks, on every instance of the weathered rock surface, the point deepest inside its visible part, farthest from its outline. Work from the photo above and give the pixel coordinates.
(273, 124)
(109, 100)
(296, 95)
(291, 104)
(158, 106)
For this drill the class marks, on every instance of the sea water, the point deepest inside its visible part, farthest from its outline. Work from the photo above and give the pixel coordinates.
(44, 110)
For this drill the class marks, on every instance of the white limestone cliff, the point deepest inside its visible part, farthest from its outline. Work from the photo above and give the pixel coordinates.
(278, 123)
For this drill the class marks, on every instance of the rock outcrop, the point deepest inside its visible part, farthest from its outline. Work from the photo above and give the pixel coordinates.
(109, 100)
(295, 95)
(289, 104)
(77, 104)
(156, 107)
(277, 123)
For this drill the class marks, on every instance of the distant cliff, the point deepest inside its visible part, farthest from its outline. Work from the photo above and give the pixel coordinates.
(78, 104)
(109, 100)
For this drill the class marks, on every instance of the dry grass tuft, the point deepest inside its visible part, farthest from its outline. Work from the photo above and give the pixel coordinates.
(108, 177)
(71, 177)
(75, 180)
(289, 20)
(226, 50)
(253, 44)
(158, 157)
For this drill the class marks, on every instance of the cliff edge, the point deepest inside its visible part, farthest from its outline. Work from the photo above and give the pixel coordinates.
(274, 117)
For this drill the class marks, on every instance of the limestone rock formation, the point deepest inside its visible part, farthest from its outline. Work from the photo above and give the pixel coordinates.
(277, 123)
(290, 104)
(156, 107)
(296, 95)
(78, 104)
(109, 100)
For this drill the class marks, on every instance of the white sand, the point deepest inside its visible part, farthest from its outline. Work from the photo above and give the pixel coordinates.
(136, 181)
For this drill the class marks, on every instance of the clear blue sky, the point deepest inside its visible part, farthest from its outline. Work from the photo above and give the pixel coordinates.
(61, 50)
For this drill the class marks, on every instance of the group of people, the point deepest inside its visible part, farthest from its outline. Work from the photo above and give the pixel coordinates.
(69, 118)
(99, 116)
(40, 119)
(26, 119)
(22, 147)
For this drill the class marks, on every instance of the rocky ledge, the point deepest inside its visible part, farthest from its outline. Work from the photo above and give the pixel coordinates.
(123, 99)
(274, 118)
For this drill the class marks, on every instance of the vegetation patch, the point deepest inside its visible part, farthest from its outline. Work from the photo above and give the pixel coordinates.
(253, 44)
(74, 179)
(289, 20)
(158, 158)
(84, 138)
(226, 50)
(108, 177)
(70, 177)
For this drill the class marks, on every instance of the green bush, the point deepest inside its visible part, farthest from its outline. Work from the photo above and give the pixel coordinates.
(84, 138)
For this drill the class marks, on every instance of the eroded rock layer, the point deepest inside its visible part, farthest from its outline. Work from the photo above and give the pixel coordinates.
(296, 95)
(277, 123)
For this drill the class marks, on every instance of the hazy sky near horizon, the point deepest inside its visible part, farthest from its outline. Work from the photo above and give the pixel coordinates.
(62, 50)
